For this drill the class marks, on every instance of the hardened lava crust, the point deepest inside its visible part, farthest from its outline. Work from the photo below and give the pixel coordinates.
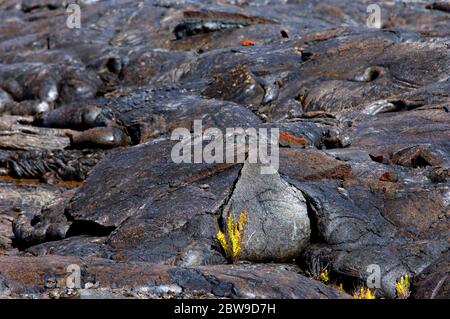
(88, 183)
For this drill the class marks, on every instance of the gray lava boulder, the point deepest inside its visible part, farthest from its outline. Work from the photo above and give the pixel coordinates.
(277, 226)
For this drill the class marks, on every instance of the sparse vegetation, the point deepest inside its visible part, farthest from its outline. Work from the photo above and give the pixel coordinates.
(231, 239)
(325, 276)
(402, 287)
(363, 293)
(318, 270)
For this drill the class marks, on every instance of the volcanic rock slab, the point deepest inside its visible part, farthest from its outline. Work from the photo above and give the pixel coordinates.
(277, 226)
(86, 168)
(31, 276)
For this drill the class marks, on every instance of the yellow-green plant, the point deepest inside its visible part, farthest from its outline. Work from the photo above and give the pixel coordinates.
(363, 293)
(231, 239)
(318, 271)
(325, 276)
(402, 287)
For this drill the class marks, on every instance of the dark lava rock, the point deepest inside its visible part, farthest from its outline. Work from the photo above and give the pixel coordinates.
(434, 281)
(86, 173)
(103, 137)
(168, 217)
(384, 225)
(6, 234)
(26, 195)
(26, 275)
(83, 245)
(16, 134)
(65, 165)
(277, 226)
(49, 224)
(312, 165)
(72, 116)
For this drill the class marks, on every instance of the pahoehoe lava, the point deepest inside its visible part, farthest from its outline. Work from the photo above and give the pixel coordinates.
(86, 175)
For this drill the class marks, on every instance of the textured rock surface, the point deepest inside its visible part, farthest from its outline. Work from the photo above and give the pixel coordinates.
(433, 282)
(32, 276)
(86, 174)
(277, 226)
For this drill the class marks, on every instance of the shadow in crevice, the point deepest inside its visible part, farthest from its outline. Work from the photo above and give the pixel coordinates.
(90, 228)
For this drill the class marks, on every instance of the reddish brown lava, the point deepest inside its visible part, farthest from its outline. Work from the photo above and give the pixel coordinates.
(389, 177)
(36, 181)
(247, 43)
(287, 139)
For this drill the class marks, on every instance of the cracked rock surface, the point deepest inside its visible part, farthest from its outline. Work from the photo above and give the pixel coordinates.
(87, 176)
(277, 226)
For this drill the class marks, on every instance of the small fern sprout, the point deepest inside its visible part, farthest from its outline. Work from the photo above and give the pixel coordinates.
(318, 270)
(402, 287)
(325, 276)
(231, 244)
